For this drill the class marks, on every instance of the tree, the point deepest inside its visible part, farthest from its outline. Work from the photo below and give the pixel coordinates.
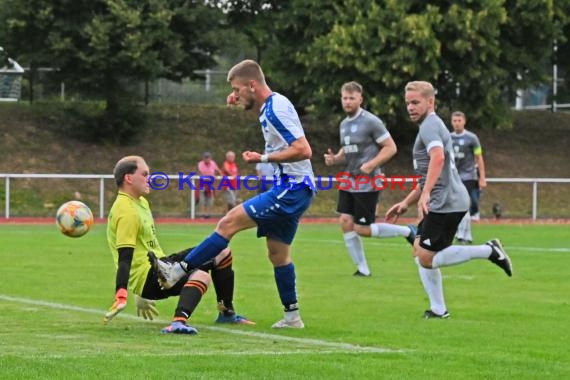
(562, 56)
(100, 46)
(25, 29)
(254, 18)
(471, 50)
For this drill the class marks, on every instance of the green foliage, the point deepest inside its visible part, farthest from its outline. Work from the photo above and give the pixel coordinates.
(97, 46)
(253, 18)
(475, 52)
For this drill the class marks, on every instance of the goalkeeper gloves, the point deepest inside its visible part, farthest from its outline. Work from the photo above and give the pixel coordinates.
(146, 308)
(119, 304)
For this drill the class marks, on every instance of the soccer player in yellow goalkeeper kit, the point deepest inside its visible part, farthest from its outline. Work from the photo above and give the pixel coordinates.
(131, 236)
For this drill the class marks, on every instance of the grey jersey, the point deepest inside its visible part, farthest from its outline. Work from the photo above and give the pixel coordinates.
(360, 137)
(449, 193)
(465, 146)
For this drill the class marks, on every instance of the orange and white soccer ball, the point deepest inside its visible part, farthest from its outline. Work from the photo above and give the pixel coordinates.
(74, 218)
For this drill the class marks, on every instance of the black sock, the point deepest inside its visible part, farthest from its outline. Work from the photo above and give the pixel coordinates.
(223, 279)
(190, 297)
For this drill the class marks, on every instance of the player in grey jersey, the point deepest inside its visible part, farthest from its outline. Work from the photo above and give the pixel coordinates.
(471, 168)
(441, 199)
(366, 145)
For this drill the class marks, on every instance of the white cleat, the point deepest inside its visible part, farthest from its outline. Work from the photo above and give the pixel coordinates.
(285, 324)
(168, 273)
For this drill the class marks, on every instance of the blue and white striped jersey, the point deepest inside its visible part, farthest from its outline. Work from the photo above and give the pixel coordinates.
(281, 127)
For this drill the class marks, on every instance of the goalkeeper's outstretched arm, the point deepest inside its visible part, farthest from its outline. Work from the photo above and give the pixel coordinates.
(121, 282)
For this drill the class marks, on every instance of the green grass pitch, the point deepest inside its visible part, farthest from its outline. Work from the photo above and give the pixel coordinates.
(54, 291)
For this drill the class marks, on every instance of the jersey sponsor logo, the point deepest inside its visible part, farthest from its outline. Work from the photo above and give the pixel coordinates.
(457, 153)
(350, 148)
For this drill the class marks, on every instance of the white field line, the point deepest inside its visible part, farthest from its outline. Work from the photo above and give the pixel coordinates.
(204, 353)
(335, 347)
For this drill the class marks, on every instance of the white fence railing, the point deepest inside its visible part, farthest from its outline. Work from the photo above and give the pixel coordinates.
(102, 177)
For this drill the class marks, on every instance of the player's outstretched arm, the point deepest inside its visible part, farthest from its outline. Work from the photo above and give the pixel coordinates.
(121, 283)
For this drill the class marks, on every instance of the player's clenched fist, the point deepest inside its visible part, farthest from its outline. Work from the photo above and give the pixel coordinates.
(231, 99)
(251, 157)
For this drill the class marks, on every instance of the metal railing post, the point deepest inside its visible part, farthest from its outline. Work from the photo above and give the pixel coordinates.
(102, 197)
(7, 192)
(193, 200)
(534, 199)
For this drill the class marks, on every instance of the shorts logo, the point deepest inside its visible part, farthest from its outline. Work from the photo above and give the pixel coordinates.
(362, 220)
(427, 242)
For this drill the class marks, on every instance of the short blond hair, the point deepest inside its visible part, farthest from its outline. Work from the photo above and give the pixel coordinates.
(247, 70)
(424, 88)
(352, 87)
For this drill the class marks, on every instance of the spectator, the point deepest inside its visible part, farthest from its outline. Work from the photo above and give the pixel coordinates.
(207, 167)
(230, 169)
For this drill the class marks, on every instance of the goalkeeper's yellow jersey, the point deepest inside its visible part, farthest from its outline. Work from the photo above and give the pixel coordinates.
(130, 224)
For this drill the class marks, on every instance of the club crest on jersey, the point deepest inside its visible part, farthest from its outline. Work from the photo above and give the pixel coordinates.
(353, 128)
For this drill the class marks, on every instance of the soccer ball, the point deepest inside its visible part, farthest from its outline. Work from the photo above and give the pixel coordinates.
(74, 218)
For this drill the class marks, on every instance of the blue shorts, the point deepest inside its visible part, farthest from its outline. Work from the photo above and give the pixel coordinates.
(277, 211)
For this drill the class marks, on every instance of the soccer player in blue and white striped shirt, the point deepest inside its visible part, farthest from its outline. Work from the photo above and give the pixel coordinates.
(276, 212)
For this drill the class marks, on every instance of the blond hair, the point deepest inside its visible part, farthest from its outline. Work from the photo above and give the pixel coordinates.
(247, 70)
(424, 88)
(352, 87)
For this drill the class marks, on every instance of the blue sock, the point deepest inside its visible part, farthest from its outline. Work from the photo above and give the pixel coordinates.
(206, 250)
(285, 280)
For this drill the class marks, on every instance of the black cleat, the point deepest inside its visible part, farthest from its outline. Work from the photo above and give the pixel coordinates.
(428, 314)
(412, 236)
(499, 257)
(360, 274)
